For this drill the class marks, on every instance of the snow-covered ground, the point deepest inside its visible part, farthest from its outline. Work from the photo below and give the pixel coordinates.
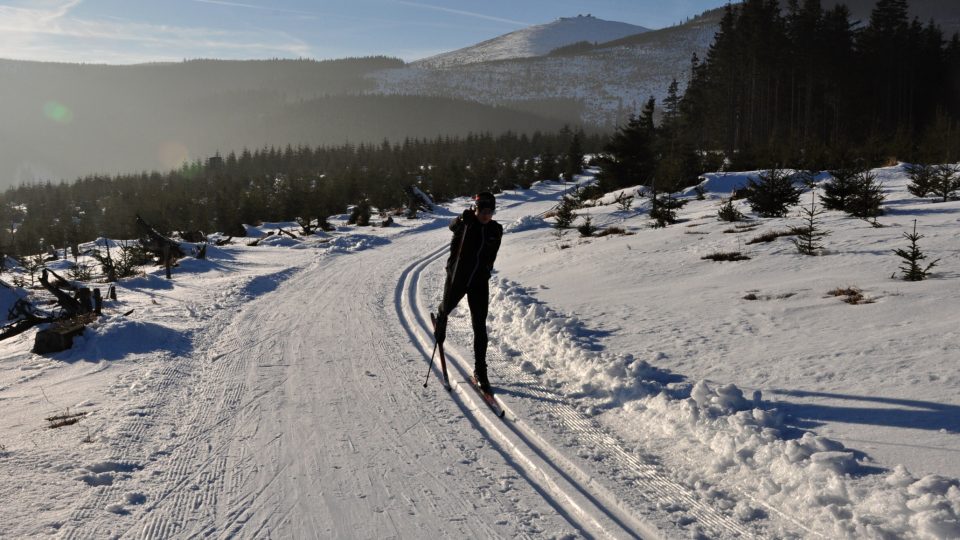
(611, 83)
(277, 390)
(536, 40)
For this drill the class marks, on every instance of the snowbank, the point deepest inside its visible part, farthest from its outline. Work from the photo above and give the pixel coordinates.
(814, 477)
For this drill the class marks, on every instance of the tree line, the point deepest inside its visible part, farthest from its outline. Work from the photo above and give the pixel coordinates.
(279, 184)
(809, 87)
(804, 88)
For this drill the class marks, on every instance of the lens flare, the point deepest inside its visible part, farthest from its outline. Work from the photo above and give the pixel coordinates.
(58, 112)
(172, 154)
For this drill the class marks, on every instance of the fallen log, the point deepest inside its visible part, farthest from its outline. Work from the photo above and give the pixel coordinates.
(71, 306)
(156, 243)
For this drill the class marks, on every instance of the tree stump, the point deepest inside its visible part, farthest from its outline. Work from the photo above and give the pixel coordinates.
(59, 336)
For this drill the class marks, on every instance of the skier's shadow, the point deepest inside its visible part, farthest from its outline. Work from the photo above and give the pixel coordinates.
(522, 390)
(904, 413)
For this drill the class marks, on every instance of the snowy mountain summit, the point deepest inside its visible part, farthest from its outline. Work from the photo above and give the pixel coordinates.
(535, 40)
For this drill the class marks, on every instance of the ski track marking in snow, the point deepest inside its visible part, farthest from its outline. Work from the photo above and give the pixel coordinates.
(277, 392)
(581, 495)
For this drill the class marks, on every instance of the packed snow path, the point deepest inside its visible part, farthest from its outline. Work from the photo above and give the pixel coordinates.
(276, 391)
(577, 491)
(304, 415)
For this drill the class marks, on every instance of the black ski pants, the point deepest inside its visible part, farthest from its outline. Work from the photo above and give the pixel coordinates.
(478, 298)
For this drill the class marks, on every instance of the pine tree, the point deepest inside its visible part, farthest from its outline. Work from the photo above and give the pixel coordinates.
(866, 199)
(565, 214)
(573, 159)
(922, 179)
(729, 212)
(663, 209)
(630, 155)
(946, 182)
(837, 192)
(587, 228)
(548, 167)
(772, 193)
(912, 271)
(808, 240)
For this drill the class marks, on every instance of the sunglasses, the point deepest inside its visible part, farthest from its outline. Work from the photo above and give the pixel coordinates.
(485, 211)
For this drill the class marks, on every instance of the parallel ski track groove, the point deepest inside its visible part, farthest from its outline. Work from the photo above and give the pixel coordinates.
(648, 477)
(577, 503)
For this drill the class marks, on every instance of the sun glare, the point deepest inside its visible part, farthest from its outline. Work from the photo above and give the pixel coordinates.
(58, 112)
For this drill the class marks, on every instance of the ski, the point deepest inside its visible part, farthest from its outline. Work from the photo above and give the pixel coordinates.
(443, 358)
(488, 398)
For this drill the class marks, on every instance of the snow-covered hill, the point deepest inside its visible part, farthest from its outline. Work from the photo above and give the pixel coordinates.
(277, 390)
(603, 86)
(535, 41)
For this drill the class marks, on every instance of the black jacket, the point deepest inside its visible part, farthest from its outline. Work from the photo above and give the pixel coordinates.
(472, 265)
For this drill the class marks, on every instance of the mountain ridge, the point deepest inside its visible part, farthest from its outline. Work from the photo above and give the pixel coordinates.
(536, 40)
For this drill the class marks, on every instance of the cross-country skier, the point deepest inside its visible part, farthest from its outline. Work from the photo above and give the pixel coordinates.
(473, 250)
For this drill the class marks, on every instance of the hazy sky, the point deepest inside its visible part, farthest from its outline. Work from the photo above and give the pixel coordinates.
(131, 31)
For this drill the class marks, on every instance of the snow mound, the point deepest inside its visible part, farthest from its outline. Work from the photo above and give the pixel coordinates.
(733, 440)
(9, 295)
(614, 196)
(724, 183)
(353, 242)
(526, 223)
(258, 231)
(560, 347)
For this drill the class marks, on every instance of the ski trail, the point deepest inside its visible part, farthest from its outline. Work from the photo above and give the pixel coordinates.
(299, 417)
(541, 465)
(597, 501)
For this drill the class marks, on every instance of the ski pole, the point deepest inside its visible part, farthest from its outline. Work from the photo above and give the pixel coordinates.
(430, 367)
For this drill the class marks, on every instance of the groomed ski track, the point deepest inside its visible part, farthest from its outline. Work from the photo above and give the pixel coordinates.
(596, 510)
(302, 414)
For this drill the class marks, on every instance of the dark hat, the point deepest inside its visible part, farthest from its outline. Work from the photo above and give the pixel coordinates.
(485, 200)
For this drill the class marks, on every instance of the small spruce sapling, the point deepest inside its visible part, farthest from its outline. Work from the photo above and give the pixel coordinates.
(33, 264)
(80, 271)
(808, 239)
(946, 182)
(664, 210)
(922, 179)
(837, 191)
(866, 199)
(587, 228)
(729, 212)
(911, 268)
(624, 201)
(565, 215)
(772, 193)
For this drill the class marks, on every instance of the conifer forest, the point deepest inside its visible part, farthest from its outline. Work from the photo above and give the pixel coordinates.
(801, 87)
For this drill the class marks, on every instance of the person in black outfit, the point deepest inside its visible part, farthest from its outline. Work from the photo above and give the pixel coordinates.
(473, 250)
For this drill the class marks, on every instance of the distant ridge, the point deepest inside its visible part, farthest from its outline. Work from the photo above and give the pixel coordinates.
(535, 40)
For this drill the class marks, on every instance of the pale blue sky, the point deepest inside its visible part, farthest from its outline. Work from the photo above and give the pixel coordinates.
(132, 31)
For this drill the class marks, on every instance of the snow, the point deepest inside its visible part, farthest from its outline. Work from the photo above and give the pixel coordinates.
(611, 83)
(277, 389)
(536, 40)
